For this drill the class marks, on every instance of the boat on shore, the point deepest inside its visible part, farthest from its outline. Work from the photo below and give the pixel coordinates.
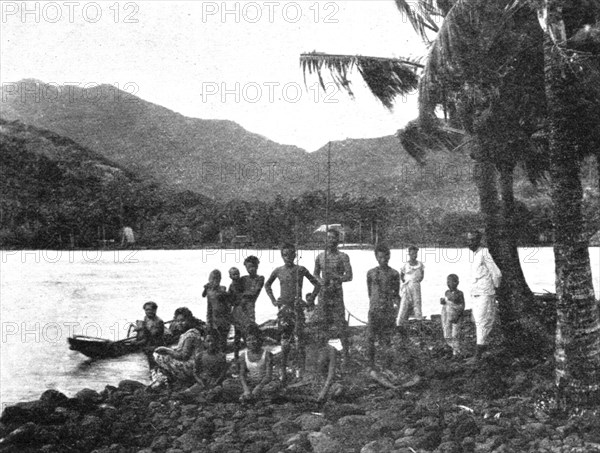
(103, 348)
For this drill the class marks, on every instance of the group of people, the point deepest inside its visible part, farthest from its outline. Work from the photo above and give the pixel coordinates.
(303, 325)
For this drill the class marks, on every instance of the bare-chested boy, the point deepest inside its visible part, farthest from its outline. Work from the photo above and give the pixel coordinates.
(383, 286)
(334, 268)
(291, 314)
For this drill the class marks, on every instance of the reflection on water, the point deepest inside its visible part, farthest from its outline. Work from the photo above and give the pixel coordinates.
(47, 296)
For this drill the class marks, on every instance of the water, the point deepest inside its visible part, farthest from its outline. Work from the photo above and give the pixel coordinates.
(47, 296)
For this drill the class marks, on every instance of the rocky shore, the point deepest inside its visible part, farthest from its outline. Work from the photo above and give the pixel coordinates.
(502, 404)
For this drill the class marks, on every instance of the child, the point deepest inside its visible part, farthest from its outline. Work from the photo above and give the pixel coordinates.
(320, 363)
(150, 331)
(236, 289)
(453, 306)
(290, 316)
(218, 308)
(252, 284)
(256, 366)
(211, 365)
(383, 285)
(411, 274)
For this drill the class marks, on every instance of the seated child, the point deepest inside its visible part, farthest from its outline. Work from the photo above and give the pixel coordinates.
(256, 366)
(210, 367)
(320, 364)
(453, 306)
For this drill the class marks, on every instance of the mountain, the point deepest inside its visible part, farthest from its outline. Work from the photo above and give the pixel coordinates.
(214, 157)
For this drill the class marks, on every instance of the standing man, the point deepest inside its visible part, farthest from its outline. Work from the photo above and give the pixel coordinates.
(333, 268)
(485, 278)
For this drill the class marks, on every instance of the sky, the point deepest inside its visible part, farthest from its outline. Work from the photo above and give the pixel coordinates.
(235, 60)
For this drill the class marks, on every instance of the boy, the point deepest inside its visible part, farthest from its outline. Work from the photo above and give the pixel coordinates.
(291, 314)
(150, 332)
(236, 289)
(383, 286)
(411, 274)
(252, 285)
(453, 306)
(218, 308)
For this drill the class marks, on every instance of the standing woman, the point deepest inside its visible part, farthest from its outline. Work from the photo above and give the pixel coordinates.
(177, 364)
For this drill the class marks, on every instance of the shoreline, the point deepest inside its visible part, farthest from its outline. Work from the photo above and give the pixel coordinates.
(500, 405)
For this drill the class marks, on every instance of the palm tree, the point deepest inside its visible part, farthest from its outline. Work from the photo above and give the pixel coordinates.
(577, 351)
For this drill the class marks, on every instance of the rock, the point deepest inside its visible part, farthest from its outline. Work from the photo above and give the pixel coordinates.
(160, 443)
(108, 412)
(430, 440)
(53, 398)
(333, 410)
(130, 386)
(91, 426)
(378, 446)
(356, 422)
(491, 430)
(406, 441)
(22, 435)
(311, 422)
(88, 398)
(465, 426)
(449, 447)
(28, 411)
(468, 445)
(285, 427)
(321, 443)
(535, 429)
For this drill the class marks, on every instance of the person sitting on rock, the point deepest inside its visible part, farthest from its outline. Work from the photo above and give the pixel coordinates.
(150, 332)
(176, 365)
(256, 366)
(210, 367)
(320, 364)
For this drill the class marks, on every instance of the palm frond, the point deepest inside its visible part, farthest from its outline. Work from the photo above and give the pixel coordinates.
(419, 139)
(385, 77)
(424, 15)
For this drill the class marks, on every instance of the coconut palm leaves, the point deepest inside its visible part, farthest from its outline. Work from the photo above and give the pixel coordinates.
(385, 77)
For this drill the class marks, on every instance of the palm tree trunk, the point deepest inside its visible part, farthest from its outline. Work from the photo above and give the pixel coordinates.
(577, 352)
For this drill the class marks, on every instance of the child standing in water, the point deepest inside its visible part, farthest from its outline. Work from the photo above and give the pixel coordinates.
(411, 275)
(383, 286)
(453, 306)
(218, 308)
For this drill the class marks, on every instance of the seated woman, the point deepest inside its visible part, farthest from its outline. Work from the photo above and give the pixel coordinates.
(319, 365)
(176, 365)
(256, 366)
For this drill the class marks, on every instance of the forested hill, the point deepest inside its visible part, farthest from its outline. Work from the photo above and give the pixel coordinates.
(219, 158)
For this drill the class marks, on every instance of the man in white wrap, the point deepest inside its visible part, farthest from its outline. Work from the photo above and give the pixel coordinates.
(485, 278)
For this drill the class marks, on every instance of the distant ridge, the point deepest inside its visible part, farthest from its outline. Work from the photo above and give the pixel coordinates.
(219, 158)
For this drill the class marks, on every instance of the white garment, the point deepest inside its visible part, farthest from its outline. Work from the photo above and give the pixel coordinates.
(484, 314)
(485, 275)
